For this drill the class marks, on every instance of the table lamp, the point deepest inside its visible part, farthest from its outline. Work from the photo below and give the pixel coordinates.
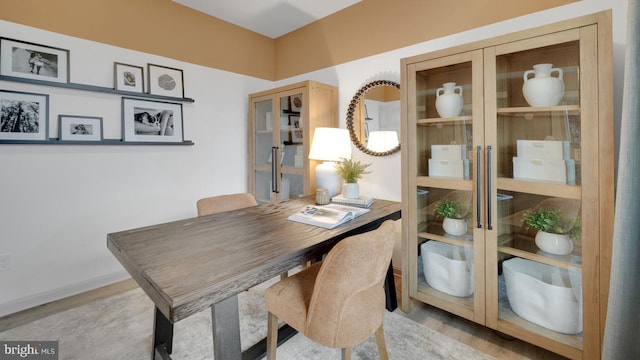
(381, 141)
(329, 145)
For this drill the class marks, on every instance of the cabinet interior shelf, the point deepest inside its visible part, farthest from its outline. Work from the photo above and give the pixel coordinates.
(540, 188)
(436, 121)
(54, 141)
(523, 110)
(449, 239)
(101, 89)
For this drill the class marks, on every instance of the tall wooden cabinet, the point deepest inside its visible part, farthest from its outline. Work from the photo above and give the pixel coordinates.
(282, 122)
(500, 158)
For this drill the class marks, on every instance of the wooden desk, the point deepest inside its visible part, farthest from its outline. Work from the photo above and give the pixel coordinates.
(190, 265)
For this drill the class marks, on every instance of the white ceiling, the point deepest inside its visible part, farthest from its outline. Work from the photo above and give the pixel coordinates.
(271, 18)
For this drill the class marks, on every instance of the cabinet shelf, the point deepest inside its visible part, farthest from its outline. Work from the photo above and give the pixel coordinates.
(55, 141)
(445, 183)
(93, 88)
(449, 239)
(540, 188)
(440, 121)
(462, 306)
(524, 110)
(525, 248)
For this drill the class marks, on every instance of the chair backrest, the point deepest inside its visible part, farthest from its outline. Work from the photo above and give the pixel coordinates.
(222, 203)
(348, 300)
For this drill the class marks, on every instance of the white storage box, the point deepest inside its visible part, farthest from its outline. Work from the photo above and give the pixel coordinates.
(544, 149)
(448, 152)
(561, 171)
(545, 295)
(448, 268)
(449, 168)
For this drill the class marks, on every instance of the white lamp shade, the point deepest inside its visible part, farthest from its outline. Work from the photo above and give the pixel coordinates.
(330, 144)
(381, 141)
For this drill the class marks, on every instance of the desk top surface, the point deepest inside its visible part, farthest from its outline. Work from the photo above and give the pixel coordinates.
(186, 266)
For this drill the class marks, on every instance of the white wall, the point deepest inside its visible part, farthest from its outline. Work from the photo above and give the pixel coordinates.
(57, 203)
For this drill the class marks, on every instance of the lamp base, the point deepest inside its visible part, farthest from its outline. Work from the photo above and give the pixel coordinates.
(327, 178)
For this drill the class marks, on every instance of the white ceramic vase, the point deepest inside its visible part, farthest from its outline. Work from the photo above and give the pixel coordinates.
(351, 190)
(449, 102)
(543, 89)
(556, 244)
(456, 227)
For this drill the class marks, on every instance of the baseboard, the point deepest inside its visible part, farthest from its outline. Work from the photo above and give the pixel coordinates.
(44, 297)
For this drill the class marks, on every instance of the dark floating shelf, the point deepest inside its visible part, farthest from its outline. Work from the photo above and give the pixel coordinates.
(93, 88)
(55, 141)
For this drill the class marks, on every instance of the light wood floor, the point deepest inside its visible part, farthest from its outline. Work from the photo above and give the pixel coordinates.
(465, 331)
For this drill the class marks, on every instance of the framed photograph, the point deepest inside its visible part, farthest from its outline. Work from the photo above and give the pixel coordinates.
(296, 103)
(151, 121)
(295, 133)
(128, 77)
(23, 116)
(285, 104)
(165, 81)
(79, 128)
(33, 61)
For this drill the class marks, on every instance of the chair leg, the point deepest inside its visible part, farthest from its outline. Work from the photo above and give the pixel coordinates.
(346, 353)
(382, 346)
(272, 336)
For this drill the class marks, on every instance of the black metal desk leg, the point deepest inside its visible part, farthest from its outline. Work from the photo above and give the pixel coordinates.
(162, 337)
(226, 329)
(390, 289)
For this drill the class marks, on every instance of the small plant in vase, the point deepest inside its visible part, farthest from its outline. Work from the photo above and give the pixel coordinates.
(455, 216)
(554, 230)
(351, 171)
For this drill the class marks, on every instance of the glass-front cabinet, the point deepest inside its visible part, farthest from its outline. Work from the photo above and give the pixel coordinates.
(508, 183)
(281, 125)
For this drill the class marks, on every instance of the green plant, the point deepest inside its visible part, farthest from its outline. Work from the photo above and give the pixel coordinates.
(452, 209)
(350, 171)
(550, 221)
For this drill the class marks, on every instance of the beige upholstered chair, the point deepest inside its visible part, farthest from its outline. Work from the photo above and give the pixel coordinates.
(340, 301)
(222, 203)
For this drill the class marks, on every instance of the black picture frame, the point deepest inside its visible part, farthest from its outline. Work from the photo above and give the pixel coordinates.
(151, 121)
(79, 128)
(24, 116)
(33, 61)
(128, 77)
(296, 136)
(165, 81)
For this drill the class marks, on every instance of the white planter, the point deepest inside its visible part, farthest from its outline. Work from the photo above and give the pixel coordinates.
(351, 190)
(556, 244)
(448, 268)
(545, 295)
(454, 227)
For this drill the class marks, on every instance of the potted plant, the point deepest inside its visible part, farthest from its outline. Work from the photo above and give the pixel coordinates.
(554, 230)
(350, 171)
(455, 216)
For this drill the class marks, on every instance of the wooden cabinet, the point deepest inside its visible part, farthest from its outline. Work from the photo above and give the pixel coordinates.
(495, 159)
(282, 122)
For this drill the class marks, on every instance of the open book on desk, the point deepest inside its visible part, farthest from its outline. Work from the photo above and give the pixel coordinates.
(327, 216)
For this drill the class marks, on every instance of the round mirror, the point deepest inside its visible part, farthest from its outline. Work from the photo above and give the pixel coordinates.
(373, 118)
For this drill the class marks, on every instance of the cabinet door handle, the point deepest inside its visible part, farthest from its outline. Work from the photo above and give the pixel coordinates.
(478, 186)
(489, 225)
(274, 169)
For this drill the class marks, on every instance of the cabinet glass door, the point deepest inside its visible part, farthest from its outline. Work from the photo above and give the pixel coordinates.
(292, 139)
(449, 266)
(535, 128)
(263, 148)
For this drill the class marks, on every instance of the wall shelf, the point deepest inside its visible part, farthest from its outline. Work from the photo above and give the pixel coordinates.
(55, 141)
(94, 88)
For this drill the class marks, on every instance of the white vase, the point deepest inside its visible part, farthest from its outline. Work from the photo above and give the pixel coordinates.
(556, 244)
(456, 227)
(449, 102)
(351, 190)
(543, 89)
